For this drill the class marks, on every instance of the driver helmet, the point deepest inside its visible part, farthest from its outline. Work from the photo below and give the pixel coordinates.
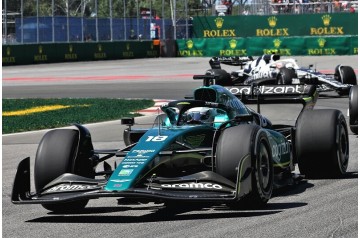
(200, 115)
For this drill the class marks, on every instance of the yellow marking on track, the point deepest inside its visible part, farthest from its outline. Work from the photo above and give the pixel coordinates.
(39, 109)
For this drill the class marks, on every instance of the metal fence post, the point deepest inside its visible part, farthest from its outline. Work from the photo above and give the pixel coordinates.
(111, 20)
(67, 21)
(163, 19)
(4, 12)
(37, 21)
(53, 20)
(124, 1)
(96, 21)
(137, 18)
(22, 21)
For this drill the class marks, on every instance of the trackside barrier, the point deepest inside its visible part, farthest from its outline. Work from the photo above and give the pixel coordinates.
(289, 25)
(65, 52)
(208, 47)
(289, 34)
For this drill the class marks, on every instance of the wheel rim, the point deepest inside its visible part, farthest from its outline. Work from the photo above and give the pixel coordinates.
(264, 167)
(343, 151)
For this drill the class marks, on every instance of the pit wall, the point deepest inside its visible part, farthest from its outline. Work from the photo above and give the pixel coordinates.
(301, 34)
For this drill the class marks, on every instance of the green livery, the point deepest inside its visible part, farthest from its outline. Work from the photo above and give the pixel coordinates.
(207, 148)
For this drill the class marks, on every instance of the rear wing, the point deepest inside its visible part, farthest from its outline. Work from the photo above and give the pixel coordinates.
(233, 61)
(305, 94)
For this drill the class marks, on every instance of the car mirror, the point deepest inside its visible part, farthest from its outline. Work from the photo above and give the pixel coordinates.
(129, 121)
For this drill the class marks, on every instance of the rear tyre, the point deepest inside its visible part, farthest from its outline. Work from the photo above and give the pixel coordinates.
(223, 79)
(322, 143)
(285, 76)
(55, 156)
(247, 140)
(353, 109)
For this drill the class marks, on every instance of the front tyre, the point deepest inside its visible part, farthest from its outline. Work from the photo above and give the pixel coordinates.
(55, 156)
(345, 75)
(235, 144)
(322, 143)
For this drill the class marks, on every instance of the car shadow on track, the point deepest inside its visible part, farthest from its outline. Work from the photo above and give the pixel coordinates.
(347, 175)
(155, 215)
(350, 175)
(294, 189)
(323, 95)
(163, 213)
(171, 212)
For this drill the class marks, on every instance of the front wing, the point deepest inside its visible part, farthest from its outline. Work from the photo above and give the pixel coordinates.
(70, 187)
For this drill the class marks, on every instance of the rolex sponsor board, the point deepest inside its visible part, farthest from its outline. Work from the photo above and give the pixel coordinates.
(286, 46)
(210, 47)
(334, 24)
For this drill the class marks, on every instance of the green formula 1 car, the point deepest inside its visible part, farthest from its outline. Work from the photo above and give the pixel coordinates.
(211, 148)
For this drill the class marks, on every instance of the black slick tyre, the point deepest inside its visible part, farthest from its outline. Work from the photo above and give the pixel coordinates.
(55, 156)
(322, 143)
(285, 76)
(345, 75)
(223, 77)
(247, 140)
(353, 109)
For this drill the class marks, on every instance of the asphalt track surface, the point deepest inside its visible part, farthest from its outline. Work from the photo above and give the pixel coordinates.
(313, 208)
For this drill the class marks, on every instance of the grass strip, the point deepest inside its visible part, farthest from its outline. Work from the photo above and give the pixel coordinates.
(19, 115)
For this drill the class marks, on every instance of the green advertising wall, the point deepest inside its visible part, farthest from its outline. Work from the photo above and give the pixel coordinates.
(64, 52)
(266, 45)
(335, 24)
(299, 34)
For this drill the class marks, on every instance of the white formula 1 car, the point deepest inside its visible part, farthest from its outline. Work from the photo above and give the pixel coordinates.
(270, 69)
